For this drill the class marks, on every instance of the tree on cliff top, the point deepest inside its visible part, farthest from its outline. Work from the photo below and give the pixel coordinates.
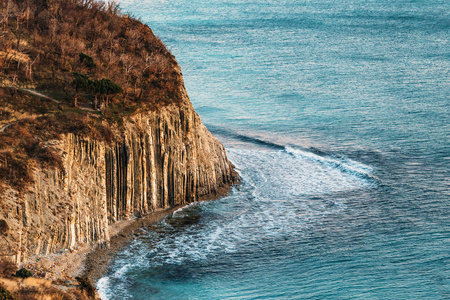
(81, 82)
(105, 88)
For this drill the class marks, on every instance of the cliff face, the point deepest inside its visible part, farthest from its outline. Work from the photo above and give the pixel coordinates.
(165, 158)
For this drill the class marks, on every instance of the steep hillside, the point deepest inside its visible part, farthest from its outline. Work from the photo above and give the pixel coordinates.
(97, 65)
(95, 127)
(49, 43)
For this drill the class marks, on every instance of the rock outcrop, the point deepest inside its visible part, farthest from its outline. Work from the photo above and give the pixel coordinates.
(164, 158)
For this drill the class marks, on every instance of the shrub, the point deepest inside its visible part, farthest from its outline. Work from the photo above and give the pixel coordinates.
(4, 228)
(7, 268)
(5, 294)
(28, 293)
(23, 273)
(79, 295)
(87, 60)
(56, 294)
(86, 285)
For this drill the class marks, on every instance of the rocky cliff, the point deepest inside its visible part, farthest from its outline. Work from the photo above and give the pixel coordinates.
(164, 158)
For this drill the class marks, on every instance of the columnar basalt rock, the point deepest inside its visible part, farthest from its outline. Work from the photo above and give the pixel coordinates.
(165, 158)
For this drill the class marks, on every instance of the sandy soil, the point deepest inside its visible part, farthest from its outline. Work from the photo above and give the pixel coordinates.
(14, 284)
(65, 265)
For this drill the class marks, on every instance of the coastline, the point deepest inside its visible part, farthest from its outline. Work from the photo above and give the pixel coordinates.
(73, 170)
(97, 261)
(90, 260)
(58, 271)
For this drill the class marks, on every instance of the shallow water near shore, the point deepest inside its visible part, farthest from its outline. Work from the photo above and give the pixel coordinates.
(336, 115)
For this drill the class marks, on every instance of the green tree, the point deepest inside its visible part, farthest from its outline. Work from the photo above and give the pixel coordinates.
(87, 61)
(81, 82)
(105, 88)
(23, 273)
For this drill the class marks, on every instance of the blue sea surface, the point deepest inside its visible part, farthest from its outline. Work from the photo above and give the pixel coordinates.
(337, 116)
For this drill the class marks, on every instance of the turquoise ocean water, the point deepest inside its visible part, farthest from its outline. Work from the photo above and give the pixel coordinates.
(336, 114)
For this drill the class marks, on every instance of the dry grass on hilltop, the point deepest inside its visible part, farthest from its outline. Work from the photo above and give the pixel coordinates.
(44, 42)
(95, 65)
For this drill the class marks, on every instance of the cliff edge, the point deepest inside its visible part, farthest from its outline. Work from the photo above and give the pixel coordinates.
(96, 128)
(166, 158)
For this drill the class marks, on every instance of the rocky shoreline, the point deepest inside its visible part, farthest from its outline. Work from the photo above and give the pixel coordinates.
(77, 182)
(58, 271)
(97, 261)
(93, 262)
